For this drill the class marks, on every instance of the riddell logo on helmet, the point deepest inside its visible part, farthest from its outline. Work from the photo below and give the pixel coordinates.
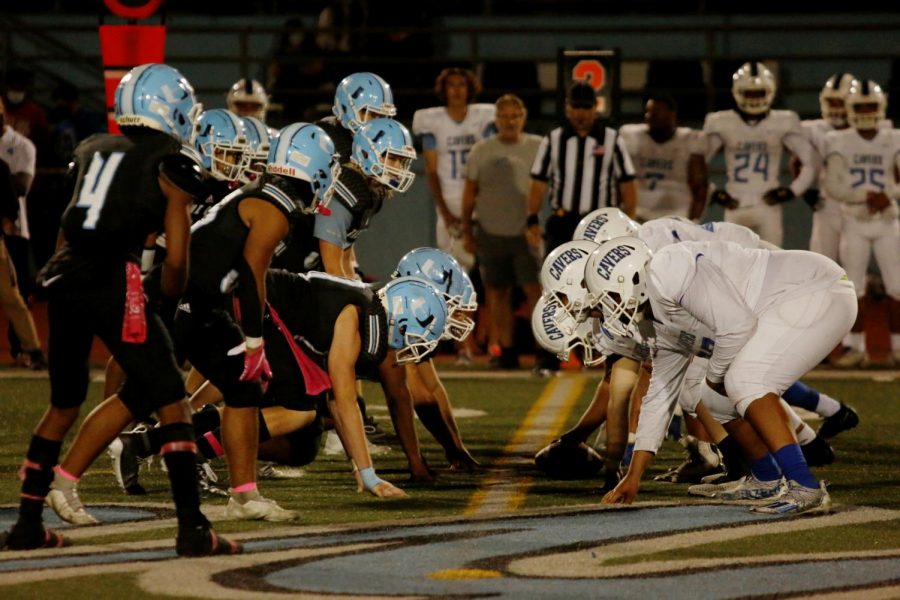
(612, 258)
(281, 170)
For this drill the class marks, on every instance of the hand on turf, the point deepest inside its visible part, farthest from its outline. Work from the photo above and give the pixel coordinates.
(386, 489)
(461, 460)
(420, 472)
(624, 493)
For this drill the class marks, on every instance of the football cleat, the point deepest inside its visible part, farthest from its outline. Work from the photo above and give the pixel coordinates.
(126, 464)
(818, 452)
(798, 499)
(259, 509)
(751, 488)
(68, 506)
(845, 418)
(206, 480)
(31, 536)
(203, 541)
(702, 459)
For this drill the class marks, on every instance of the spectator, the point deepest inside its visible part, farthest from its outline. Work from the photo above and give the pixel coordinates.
(497, 184)
(16, 171)
(586, 166)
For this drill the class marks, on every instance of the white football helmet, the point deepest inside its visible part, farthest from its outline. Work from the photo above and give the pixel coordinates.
(866, 93)
(833, 99)
(556, 332)
(604, 224)
(247, 98)
(562, 277)
(616, 278)
(753, 88)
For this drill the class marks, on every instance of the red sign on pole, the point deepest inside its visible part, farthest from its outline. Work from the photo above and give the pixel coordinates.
(123, 47)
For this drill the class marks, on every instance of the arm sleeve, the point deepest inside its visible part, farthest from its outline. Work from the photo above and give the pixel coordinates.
(714, 301)
(714, 143)
(540, 168)
(799, 144)
(658, 405)
(334, 227)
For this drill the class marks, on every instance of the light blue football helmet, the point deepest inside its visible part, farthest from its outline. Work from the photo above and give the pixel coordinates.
(416, 315)
(441, 269)
(159, 97)
(360, 97)
(220, 139)
(383, 150)
(303, 151)
(259, 140)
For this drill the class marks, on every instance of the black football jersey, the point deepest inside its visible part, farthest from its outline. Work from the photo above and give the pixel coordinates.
(310, 304)
(340, 135)
(117, 201)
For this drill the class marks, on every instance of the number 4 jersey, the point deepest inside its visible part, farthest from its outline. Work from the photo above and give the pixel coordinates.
(753, 152)
(117, 201)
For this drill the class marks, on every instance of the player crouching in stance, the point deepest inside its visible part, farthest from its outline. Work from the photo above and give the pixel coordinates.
(774, 315)
(128, 188)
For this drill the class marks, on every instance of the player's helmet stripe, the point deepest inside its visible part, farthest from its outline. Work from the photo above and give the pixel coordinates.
(754, 71)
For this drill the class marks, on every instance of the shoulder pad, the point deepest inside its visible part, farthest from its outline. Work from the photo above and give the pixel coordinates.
(715, 120)
(352, 191)
(185, 173)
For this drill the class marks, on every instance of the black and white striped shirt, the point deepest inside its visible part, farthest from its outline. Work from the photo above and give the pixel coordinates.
(583, 173)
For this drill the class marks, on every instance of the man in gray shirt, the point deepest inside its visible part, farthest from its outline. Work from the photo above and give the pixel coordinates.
(497, 182)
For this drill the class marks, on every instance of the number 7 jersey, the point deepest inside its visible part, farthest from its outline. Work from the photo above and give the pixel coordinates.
(753, 151)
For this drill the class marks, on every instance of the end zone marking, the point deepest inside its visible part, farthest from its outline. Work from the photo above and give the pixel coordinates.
(540, 426)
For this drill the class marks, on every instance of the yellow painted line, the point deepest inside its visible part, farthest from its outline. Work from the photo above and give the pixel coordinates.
(457, 574)
(543, 423)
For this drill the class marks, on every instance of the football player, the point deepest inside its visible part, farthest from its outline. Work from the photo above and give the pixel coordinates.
(670, 163)
(128, 187)
(358, 99)
(231, 249)
(248, 98)
(448, 133)
(772, 316)
(861, 173)
(752, 138)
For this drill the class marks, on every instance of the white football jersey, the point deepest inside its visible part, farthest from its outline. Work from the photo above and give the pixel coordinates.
(453, 140)
(753, 152)
(662, 169)
(871, 166)
(659, 233)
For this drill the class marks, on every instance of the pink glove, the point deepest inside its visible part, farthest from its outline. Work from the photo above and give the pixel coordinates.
(256, 367)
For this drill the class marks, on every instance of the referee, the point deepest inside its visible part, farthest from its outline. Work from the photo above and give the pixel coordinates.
(585, 165)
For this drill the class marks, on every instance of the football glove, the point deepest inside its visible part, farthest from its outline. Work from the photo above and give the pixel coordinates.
(778, 196)
(724, 198)
(811, 197)
(256, 367)
(877, 202)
